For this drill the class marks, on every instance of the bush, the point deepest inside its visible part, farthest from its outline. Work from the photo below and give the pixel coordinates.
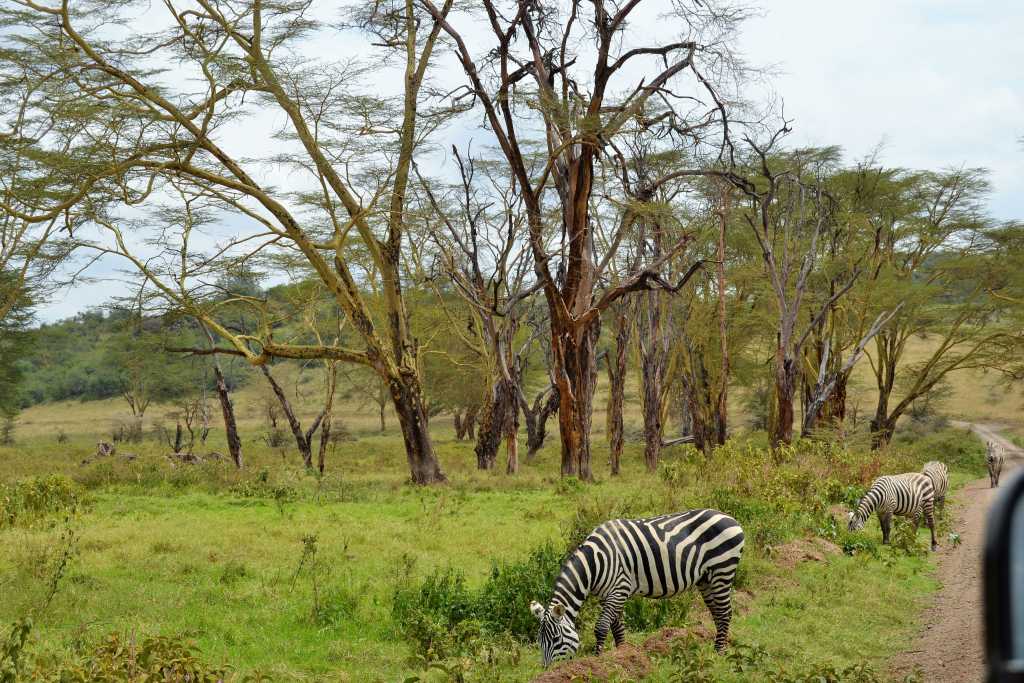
(503, 602)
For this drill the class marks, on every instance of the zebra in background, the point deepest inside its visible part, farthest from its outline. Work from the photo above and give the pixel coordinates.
(939, 474)
(994, 460)
(656, 558)
(908, 495)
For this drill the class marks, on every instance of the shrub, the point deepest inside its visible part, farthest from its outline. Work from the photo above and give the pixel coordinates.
(120, 657)
(503, 602)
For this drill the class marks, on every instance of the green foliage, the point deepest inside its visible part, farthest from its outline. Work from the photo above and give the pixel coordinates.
(35, 498)
(123, 657)
(501, 603)
(92, 355)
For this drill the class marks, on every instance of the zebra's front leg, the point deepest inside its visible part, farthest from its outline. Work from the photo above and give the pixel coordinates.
(885, 521)
(619, 629)
(611, 611)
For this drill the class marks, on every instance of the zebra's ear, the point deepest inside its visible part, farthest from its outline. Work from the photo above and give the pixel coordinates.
(537, 609)
(558, 610)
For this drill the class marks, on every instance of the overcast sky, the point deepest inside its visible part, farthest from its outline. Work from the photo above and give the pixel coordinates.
(935, 83)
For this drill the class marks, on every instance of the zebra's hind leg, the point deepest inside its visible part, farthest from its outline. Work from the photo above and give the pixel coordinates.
(929, 519)
(717, 593)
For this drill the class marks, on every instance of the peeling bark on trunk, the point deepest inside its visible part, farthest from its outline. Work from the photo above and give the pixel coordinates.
(575, 369)
(783, 415)
(545, 404)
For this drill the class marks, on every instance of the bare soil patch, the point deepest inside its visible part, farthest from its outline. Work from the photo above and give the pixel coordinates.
(627, 662)
(789, 555)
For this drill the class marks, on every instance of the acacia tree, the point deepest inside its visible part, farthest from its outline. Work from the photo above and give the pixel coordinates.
(788, 209)
(930, 229)
(352, 147)
(580, 75)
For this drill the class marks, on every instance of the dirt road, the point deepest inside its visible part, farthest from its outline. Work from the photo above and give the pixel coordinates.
(950, 646)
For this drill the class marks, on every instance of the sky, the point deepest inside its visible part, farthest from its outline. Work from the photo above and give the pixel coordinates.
(929, 83)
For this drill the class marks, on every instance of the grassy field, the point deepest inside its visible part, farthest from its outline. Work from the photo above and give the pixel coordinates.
(274, 571)
(360, 577)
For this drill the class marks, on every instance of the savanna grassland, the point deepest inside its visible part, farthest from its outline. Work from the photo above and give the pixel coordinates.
(273, 571)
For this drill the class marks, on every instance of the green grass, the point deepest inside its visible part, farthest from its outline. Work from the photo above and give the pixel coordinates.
(216, 553)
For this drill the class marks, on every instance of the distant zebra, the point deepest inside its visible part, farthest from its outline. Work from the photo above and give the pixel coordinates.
(908, 495)
(994, 460)
(656, 558)
(939, 474)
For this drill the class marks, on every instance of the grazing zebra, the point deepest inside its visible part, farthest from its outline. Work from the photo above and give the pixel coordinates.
(994, 460)
(939, 474)
(657, 558)
(908, 495)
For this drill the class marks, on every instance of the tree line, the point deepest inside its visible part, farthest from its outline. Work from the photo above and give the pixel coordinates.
(549, 187)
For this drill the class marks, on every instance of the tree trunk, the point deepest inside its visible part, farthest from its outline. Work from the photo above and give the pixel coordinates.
(383, 423)
(882, 430)
(616, 391)
(722, 406)
(326, 424)
(227, 409)
(512, 449)
(781, 424)
(406, 395)
(500, 418)
(652, 375)
(537, 419)
(834, 409)
(653, 429)
(302, 442)
(575, 370)
(460, 431)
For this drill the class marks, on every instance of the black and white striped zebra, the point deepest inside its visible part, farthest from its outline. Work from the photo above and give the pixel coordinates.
(656, 558)
(939, 474)
(994, 460)
(908, 495)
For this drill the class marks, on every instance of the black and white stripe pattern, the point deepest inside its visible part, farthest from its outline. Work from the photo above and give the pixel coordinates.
(994, 460)
(656, 558)
(939, 474)
(908, 495)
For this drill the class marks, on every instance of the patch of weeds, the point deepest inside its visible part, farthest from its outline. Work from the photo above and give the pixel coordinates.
(35, 498)
(233, 572)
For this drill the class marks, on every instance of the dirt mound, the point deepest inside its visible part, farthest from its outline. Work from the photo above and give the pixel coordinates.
(793, 553)
(661, 643)
(628, 662)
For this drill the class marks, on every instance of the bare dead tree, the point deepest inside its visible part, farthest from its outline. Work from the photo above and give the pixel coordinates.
(478, 241)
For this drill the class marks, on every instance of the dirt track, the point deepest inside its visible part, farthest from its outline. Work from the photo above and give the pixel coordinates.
(949, 647)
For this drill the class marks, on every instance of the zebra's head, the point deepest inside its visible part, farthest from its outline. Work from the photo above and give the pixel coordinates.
(856, 522)
(990, 452)
(558, 635)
